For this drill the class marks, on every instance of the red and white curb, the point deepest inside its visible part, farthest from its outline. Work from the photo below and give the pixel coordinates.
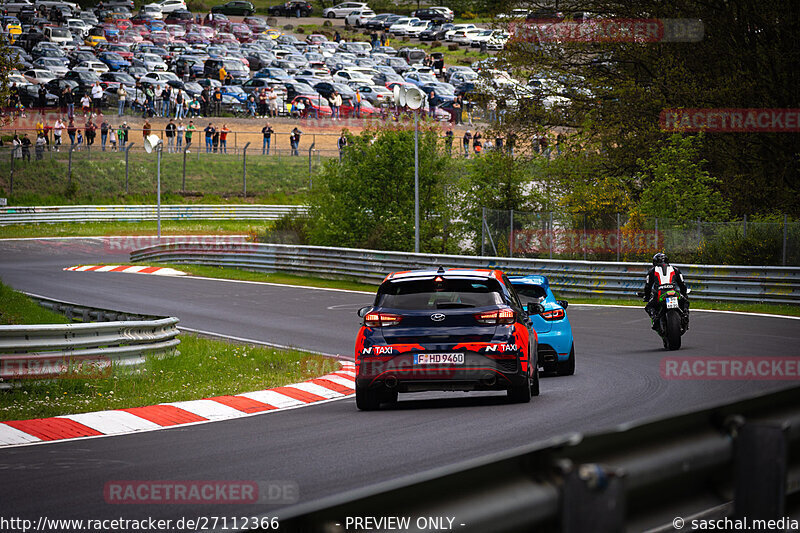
(129, 269)
(333, 386)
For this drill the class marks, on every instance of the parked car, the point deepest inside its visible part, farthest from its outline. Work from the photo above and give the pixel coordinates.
(432, 14)
(291, 9)
(235, 7)
(342, 10)
(358, 17)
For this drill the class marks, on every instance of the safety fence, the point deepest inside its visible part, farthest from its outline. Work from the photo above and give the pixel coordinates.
(737, 463)
(618, 237)
(107, 338)
(116, 213)
(780, 285)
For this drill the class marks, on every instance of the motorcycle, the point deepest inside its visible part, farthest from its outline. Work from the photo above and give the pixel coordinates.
(671, 316)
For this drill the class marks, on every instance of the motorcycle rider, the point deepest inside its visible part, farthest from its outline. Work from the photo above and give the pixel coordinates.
(663, 273)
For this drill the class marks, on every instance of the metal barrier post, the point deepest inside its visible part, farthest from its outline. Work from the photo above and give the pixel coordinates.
(183, 182)
(310, 149)
(127, 149)
(511, 236)
(552, 234)
(744, 229)
(69, 166)
(583, 237)
(244, 170)
(618, 238)
(483, 228)
(785, 238)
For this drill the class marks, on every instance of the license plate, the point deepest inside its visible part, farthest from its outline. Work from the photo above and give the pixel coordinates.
(439, 359)
(672, 303)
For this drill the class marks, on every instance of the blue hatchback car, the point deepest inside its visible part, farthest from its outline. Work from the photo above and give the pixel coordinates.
(556, 352)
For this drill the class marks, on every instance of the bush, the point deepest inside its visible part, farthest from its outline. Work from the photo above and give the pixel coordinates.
(327, 24)
(300, 29)
(452, 47)
(197, 5)
(436, 44)
(291, 228)
(288, 27)
(468, 15)
(271, 21)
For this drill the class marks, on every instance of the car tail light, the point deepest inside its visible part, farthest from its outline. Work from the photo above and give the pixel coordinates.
(381, 320)
(500, 316)
(555, 314)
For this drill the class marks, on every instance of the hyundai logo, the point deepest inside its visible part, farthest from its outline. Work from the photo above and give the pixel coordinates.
(437, 317)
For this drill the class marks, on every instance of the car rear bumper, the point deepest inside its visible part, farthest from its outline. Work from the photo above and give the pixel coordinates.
(478, 372)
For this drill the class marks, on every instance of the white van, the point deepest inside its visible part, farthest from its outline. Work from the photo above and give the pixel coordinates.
(60, 36)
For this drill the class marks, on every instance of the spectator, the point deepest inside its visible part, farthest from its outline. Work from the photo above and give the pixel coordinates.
(457, 110)
(157, 100)
(294, 140)
(39, 125)
(336, 104)
(42, 98)
(469, 105)
(79, 142)
(91, 132)
(179, 99)
(357, 103)
(252, 106)
(223, 74)
(122, 95)
(58, 129)
(122, 134)
(113, 140)
(71, 129)
(16, 147)
(217, 102)
(169, 133)
(209, 130)
(341, 143)
(41, 141)
(560, 138)
(146, 129)
(498, 143)
(205, 101)
(103, 134)
(189, 131)
(194, 108)
(273, 102)
(97, 98)
(166, 97)
(215, 141)
(477, 146)
(544, 146)
(69, 101)
(223, 139)
(465, 142)
(26, 147)
(267, 132)
(263, 104)
(86, 105)
(448, 141)
(180, 131)
(337, 37)
(491, 109)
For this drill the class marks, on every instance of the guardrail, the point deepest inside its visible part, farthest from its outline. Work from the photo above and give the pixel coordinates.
(114, 213)
(779, 285)
(57, 350)
(737, 462)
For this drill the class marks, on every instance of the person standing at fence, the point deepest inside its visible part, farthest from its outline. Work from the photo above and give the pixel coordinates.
(157, 100)
(16, 147)
(146, 129)
(86, 105)
(103, 134)
(79, 141)
(71, 129)
(41, 141)
(91, 132)
(42, 96)
(122, 95)
(267, 132)
(205, 101)
(169, 133)
(477, 145)
(123, 132)
(215, 141)
(39, 125)
(209, 131)
(112, 139)
(465, 142)
(342, 144)
(26, 147)
(223, 139)
(97, 98)
(294, 140)
(189, 131)
(69, 101)
(58, 130)
(448, 141)
(166, 99)
(180, 131)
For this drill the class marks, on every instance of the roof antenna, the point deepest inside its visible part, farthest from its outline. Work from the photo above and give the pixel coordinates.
(441, 270)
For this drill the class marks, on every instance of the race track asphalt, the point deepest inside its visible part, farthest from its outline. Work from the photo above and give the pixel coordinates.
(329, 448)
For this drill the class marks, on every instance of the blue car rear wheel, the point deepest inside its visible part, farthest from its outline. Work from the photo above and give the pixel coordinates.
(567, 368)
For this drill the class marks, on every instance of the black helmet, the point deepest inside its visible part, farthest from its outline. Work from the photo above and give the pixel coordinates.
(660, 259)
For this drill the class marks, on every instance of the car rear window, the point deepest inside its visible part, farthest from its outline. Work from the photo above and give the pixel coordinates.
(448, 294)
(530, 293)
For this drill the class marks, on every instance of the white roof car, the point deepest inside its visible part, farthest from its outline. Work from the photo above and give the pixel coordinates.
(38, 75)
(342, 10)
(91, 66)
(415, 28)
(160, 76)
(152, 11)
(449, 35)
(168, 6)
(401, 26)
(358, 17)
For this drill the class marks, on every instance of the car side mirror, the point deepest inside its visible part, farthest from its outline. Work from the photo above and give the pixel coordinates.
(364, 310)
(535, 308)
(562, 303)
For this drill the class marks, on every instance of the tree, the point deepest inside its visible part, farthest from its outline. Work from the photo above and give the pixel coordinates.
(367, 199)
(676, 186)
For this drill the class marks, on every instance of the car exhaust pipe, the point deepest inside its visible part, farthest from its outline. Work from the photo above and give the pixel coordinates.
(391, 382)
(489, 381)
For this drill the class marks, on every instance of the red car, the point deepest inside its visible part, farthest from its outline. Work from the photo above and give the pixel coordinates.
(348, 109)
(256, 24)
(241, 31)
(314, 106)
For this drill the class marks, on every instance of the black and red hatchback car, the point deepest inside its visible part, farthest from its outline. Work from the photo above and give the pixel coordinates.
(451, 330)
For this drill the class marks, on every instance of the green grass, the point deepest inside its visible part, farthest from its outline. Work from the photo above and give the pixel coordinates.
(168, 227)
(17, 309)
(210, 178)
(204, 368)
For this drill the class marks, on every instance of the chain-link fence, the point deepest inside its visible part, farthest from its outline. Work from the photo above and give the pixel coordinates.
(618, 237)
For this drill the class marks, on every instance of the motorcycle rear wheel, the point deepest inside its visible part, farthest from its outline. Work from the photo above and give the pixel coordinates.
(673, 333)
